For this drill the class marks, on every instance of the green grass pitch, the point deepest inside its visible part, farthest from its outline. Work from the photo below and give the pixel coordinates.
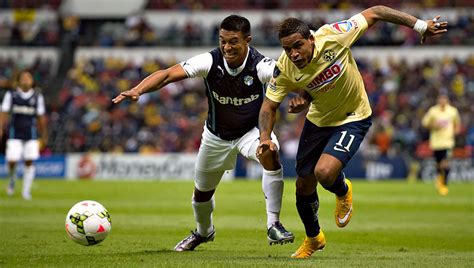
(395, 224)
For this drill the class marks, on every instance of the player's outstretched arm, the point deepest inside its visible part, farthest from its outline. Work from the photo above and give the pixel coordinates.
(266, 122)
(153, 82)
(424, 27)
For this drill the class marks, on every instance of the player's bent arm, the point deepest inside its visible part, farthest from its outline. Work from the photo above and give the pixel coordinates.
(43, 130)
(267, 118)
(3, 122)
(383, 13)
(266, 122)
(457, 126)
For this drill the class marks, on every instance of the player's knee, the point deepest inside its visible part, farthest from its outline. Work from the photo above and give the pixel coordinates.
(305, 185)
(270, 160)
(324, 176)
(200, 196)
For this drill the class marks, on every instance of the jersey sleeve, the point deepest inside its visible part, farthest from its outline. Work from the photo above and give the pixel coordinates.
(198, 66)
(7, 102)
(265, 69)
(41, 108)
(279, 85)
(347, 32)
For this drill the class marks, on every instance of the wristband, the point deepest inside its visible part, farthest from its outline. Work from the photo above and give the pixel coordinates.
(420, 26)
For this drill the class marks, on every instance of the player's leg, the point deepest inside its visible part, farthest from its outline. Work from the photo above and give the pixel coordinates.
(311, 145)
(31, 153)
(442, 167)
(203, 205)
(272, 184)
(212, 160)
(343, 143)
(14, 151)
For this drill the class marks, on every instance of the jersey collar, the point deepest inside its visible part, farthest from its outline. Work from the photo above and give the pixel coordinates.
(236, 71)
(26, 94)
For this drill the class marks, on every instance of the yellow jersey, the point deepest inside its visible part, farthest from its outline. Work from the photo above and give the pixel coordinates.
(442, 137)
(331, 78)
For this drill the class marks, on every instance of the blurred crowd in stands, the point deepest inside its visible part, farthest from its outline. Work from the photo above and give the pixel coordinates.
(136, 30)
(83, 119)
(193, 5)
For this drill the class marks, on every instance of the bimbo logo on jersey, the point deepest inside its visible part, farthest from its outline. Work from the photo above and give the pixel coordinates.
(326, 76)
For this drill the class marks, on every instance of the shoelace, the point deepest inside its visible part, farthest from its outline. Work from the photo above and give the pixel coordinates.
(191, 237)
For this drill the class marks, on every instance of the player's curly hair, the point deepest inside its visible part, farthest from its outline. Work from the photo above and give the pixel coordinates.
(293, 25)
(236, 23)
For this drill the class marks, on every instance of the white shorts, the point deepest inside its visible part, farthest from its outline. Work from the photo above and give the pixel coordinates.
(215, 156)
(19, 149)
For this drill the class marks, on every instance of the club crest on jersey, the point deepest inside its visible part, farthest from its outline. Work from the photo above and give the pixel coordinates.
(329, 55)
(326, 76)
(342, 26)
(248, 80)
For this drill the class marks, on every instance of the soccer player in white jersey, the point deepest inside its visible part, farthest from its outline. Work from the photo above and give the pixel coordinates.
(235, 75)
(339, 115)
(26, 110)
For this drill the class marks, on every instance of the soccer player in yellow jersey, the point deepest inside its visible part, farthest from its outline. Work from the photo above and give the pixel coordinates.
(444, 123)
(339, 116)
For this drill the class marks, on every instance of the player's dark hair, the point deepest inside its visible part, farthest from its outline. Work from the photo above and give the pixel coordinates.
(21, 73)
(236, 23)
(293, 25)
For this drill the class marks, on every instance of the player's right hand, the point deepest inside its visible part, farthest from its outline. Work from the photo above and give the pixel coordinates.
(131, 94)
(297, 104)
(435, 27)
(264, 146)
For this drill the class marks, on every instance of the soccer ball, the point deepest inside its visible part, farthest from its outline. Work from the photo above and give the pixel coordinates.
(88, 223)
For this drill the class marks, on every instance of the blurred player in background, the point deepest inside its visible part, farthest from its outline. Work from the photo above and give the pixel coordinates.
(443, 122)
(24, 108)
(235, 75)
(339, 116)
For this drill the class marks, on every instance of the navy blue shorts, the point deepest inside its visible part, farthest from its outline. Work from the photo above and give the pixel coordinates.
(440, 155)
(341, 142)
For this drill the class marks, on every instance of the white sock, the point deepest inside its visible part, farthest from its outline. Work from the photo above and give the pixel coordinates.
(28, 177)
(272, 185)
(203, 216)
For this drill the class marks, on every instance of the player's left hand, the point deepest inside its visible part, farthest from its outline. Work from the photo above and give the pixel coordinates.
(435, 27)
(264, 147)
(297, 104)
(42, 143)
